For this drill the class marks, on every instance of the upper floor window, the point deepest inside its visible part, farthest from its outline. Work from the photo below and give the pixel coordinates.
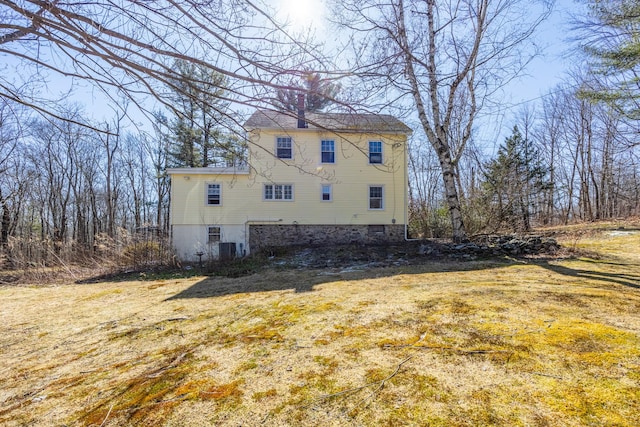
(284, 148)
(327, 195)
(328, 148)
(375, 152)
(214, 194)
(214, 234)
(375, 197)
(278, 192)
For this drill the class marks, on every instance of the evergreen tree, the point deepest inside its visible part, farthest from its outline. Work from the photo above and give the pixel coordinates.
(511, 182)
(612, 38)
(319, 93)
(184, 139)
(200, 136)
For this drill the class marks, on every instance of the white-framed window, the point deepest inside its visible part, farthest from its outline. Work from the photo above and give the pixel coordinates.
(284, 147)
(376, 197)
(328, 151)
(214, 194)
(214, 234)
(278, 192)
(326, 193)
(375, 152)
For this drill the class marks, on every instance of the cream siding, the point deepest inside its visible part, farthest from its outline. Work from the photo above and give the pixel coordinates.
(242, 200)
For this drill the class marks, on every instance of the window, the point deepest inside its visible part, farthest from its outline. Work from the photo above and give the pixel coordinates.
(213, 194)
(326, 193)
(375, 197)
(283, 147)
(278, 192)
(214, 234)
(328, 148)
(376, 230)
(375, 152)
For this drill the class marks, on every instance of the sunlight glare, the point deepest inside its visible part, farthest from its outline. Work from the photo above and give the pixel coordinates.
(303, 13)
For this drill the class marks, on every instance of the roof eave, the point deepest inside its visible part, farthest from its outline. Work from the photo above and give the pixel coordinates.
(338, 131)
(209, 171)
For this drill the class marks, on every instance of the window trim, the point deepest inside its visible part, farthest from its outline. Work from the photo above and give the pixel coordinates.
(277, 153)
(382, 203)
(206, 193)
(209, 234)
(333, 141)
(381, 153)
(322, 193)
(273, 192)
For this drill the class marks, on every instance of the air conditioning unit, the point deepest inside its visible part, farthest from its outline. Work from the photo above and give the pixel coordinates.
(227, 250)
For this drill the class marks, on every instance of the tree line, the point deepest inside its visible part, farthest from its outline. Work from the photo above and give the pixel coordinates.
(70, 193)
(567, 160)
(73, 190)
(72, 187)
(573, 156)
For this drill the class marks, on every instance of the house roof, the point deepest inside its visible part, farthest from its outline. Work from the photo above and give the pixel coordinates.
(338, 122)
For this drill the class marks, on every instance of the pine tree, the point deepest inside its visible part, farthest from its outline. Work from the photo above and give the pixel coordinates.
(200, 136)
(613, 39)
(319, 93)
(511, 182)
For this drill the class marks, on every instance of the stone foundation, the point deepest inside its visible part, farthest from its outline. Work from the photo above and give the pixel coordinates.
(270, 235)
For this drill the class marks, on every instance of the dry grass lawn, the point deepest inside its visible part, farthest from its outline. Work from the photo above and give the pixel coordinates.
(502, 343)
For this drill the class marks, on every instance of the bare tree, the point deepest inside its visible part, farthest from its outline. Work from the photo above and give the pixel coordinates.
(135, 164)
(110, 142)
(157, 148)
(592, 158)
(548, 134)
(10, 188)
(129, 48)
(448, 57)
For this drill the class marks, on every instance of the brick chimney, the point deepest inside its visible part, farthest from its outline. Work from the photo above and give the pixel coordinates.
(302, 123)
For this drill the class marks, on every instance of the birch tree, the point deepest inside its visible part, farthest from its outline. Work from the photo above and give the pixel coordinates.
(444, 58)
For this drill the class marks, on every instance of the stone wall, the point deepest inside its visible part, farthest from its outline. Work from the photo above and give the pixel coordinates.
(263, 235)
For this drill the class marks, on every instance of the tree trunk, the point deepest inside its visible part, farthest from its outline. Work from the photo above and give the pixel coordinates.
(458, 231)
(5, 223)
(436, 132)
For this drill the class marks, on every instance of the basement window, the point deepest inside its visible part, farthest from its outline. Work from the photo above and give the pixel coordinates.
(376, 230)
(214, 234)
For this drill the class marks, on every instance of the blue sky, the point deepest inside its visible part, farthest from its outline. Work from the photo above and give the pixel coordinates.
(542, 75)
(556, 59)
